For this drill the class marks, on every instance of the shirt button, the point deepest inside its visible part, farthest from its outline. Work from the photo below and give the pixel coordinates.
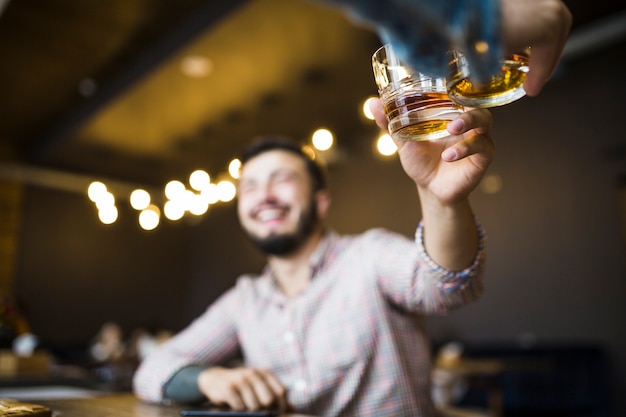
(289, 337)
(299, 385)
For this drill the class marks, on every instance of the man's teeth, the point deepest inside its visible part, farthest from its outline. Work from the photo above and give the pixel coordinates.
(266, 215)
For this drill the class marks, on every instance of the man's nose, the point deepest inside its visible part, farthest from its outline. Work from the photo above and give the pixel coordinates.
(262, 194)
(268, 191)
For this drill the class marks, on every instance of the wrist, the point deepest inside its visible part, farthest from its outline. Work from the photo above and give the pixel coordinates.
(450, 236)
(432, 205)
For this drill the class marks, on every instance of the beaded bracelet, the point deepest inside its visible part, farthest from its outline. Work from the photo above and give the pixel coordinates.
(452, 280)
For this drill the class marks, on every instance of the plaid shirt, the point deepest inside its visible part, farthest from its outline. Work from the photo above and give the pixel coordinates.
(353, 344)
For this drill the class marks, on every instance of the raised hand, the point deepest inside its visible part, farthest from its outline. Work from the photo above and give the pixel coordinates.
(449, 168)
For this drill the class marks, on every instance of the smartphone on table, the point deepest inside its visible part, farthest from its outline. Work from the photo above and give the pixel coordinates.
(226, 412)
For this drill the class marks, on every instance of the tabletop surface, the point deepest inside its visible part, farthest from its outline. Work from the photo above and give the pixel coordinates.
(120, 405)
(115, 405)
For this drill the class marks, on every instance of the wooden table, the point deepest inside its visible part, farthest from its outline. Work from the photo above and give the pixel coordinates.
(114, 405)
(108, 405)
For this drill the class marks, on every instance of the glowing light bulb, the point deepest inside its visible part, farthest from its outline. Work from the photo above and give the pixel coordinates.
(199, 179)
(226, 190)
(211, 194)
(173, 210)
(105, 199)
(234, 167)
(149, 217)
(366, 108)
(174, 189)
(198, 205)
(108, 214)
(386, 146)
(322, 139)
(95, 190)
(139, 199)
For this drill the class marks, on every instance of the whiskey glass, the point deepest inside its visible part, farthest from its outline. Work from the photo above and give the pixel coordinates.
(504, 87)
(416, 105)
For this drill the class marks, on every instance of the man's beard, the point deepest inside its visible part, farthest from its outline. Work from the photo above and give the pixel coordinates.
(284, 244)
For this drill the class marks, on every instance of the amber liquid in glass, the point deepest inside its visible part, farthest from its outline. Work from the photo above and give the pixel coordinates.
(512, 76)
(420, 116)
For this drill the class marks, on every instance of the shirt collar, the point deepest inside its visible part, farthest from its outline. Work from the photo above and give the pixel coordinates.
(322, 252)
(319, 257)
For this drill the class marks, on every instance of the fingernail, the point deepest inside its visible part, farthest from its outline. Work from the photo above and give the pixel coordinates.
(456, 125)
(450, 154)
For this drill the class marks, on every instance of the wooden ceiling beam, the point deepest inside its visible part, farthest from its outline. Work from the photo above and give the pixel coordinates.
(209, 14)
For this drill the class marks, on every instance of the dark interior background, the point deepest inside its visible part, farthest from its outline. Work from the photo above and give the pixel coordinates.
(556, 228)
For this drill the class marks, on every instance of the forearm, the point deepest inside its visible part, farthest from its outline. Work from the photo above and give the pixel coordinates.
(210, 339)
(450, 234)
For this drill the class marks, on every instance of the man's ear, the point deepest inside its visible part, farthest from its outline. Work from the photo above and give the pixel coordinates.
(323, 203)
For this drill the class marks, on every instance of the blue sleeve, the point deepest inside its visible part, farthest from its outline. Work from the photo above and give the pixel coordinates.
(422, 31)
(183, 386)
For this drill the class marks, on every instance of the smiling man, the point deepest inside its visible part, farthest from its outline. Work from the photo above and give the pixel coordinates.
(278, 202)
(333, 326)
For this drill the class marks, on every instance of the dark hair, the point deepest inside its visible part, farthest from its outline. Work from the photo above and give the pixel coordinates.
(315, 168)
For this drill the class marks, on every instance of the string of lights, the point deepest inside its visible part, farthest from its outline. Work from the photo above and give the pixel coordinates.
(200, 191)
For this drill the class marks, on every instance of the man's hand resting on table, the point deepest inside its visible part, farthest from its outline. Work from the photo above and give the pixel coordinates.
(243, 388)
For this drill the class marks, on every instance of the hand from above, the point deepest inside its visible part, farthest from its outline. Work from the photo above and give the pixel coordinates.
(543, 25)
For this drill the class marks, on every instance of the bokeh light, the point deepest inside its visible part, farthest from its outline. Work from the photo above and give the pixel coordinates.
(385, 145)
(226, 190)
(174, 210)
(199, 179)
(139, 199)
(108, 214)
(366, 108)
(95, 190)
(149, 217)
(322, 139)
(233, 168)
(174, 189)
